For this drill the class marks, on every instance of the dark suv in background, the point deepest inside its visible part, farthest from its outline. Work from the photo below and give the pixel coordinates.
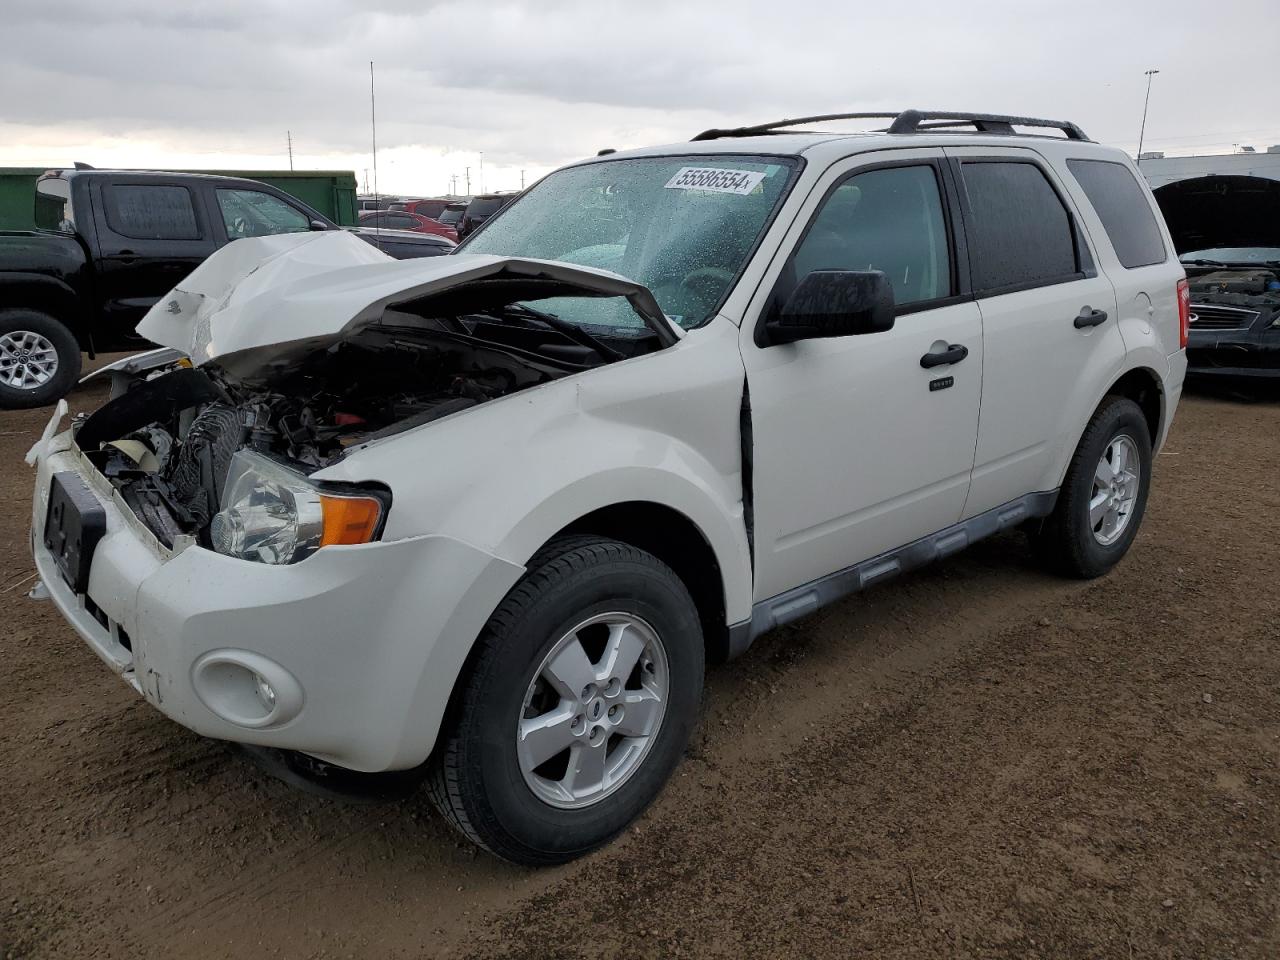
(480, 209)
(108, 244)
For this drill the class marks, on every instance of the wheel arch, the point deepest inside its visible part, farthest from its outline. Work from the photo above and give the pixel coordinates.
(678, 542)
(49, 296)
(1144, 387)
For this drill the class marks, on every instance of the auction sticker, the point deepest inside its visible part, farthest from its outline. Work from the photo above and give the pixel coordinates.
(715, 180)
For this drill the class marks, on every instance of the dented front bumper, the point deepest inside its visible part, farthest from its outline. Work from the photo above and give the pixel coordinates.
(359, 645)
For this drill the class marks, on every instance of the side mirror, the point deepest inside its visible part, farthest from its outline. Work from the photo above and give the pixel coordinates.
(319, 225)
(834, 303)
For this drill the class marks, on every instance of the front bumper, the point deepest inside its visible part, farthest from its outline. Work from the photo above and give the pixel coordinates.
(361, 644)
(1248, 354)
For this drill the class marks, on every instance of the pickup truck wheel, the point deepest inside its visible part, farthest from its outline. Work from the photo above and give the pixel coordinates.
(577, 704)
(1103, 497)
(39, 359)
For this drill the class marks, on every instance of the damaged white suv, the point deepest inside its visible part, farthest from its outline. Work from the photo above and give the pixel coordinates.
(486, 516)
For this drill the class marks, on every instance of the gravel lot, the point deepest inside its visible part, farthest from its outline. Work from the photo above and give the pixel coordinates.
(976, 760)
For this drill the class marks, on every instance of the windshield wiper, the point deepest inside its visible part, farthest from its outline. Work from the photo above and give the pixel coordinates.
(1208, 263)
(570, 330)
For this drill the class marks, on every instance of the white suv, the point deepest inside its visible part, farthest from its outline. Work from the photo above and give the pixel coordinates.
(486, 516)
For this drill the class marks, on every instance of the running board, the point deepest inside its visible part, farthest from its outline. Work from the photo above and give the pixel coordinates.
(805, 599)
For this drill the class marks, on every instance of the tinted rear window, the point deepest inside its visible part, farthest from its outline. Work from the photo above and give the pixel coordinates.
(1123, 209)
(1020, 234)
(152, 212)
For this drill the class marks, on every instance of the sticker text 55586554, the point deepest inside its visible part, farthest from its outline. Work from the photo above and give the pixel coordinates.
(715, 180)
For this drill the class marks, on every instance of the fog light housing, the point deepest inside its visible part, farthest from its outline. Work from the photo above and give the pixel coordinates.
(246, 688)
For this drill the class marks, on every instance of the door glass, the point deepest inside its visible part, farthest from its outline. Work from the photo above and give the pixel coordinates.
(151, 212)
(1123, 208)
(251, 213)
(1019, 232)
(889, 220)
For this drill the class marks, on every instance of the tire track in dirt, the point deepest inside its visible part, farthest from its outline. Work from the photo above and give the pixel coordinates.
(973, 760)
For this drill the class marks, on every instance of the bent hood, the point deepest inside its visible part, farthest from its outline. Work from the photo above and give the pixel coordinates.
(267, 291)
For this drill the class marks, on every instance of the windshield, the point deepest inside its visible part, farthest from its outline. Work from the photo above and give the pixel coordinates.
(451, 214)
(682, 226)
(53, 205)
(1234, 254)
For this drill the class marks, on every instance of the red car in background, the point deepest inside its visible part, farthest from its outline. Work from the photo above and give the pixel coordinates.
(426, 208)
(403, 220)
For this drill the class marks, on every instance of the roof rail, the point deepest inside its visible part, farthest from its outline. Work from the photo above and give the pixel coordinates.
(911, 121)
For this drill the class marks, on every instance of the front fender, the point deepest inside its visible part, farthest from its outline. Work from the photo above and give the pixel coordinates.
(508, 475)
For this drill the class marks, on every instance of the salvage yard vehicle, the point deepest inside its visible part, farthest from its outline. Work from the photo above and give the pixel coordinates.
(1226, 230)
(486, 517)
(108, 245)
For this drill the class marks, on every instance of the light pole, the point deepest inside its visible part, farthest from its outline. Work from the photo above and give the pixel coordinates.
(1143, 132)
(482, 171)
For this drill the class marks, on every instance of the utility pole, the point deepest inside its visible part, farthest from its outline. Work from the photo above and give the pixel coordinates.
(289, 136)
(467, 171)
(366, 180)
(482, 171)
(521, 179)
(1143, 132)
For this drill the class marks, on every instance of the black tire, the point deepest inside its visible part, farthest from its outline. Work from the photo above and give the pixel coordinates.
(68, 359)
(475, 779)
(1065, 541)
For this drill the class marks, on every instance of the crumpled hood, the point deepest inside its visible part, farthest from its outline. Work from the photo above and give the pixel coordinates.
(266, 291)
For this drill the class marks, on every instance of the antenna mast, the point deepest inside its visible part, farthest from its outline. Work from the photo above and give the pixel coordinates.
(373, 133)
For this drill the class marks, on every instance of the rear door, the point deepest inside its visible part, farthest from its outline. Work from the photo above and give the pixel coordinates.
(1049, 331)
(151, 234)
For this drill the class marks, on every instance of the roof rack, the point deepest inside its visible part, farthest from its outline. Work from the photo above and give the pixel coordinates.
(910, 121)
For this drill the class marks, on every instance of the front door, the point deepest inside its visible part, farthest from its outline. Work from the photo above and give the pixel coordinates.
(859, 447)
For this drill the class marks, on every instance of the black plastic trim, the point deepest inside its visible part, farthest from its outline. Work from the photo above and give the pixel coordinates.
(805, 599)
(911, 121)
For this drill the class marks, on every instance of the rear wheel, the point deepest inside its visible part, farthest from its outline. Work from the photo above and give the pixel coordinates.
(39, 359)
(1103, 497)
(577, 705)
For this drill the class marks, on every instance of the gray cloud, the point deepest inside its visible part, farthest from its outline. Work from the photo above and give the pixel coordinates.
(534, 84)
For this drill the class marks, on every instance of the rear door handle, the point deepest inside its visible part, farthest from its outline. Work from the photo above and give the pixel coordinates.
(954, 353)
(1090, 318)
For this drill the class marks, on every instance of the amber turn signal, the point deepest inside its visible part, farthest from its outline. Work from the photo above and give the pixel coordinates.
(349, 519)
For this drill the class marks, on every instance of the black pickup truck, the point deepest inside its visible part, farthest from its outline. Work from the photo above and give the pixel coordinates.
(111, 243)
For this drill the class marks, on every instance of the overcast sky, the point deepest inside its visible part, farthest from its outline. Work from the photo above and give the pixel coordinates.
(154, 83)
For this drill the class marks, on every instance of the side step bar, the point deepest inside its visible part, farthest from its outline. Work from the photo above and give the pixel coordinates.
(805, 599)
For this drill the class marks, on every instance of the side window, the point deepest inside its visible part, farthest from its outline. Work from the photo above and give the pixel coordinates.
(151, 212)
(402, 222)
(252, 213)
(1020, 235)
(889, 219)
(1123, 209)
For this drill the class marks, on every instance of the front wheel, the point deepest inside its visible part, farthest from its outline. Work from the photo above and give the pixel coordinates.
(577, 704)
(39, 359)
(1103, 497)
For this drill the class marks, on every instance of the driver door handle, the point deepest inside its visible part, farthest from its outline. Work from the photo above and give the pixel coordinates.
(954, 353)
(1090, 318)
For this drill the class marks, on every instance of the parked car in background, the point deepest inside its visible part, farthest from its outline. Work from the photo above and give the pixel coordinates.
(479, 210)
(432, 207)
(380, 202)
(109, 244)
(1226, 230)
(403, 220)
(451, 215)
(488, 518)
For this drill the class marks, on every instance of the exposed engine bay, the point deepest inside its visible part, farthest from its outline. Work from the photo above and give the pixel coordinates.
(168, 442)
(1241, 287)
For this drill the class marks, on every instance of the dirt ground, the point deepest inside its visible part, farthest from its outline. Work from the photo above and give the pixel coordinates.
(974, 761)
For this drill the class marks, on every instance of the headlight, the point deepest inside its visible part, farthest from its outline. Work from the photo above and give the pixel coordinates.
(272, 514)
